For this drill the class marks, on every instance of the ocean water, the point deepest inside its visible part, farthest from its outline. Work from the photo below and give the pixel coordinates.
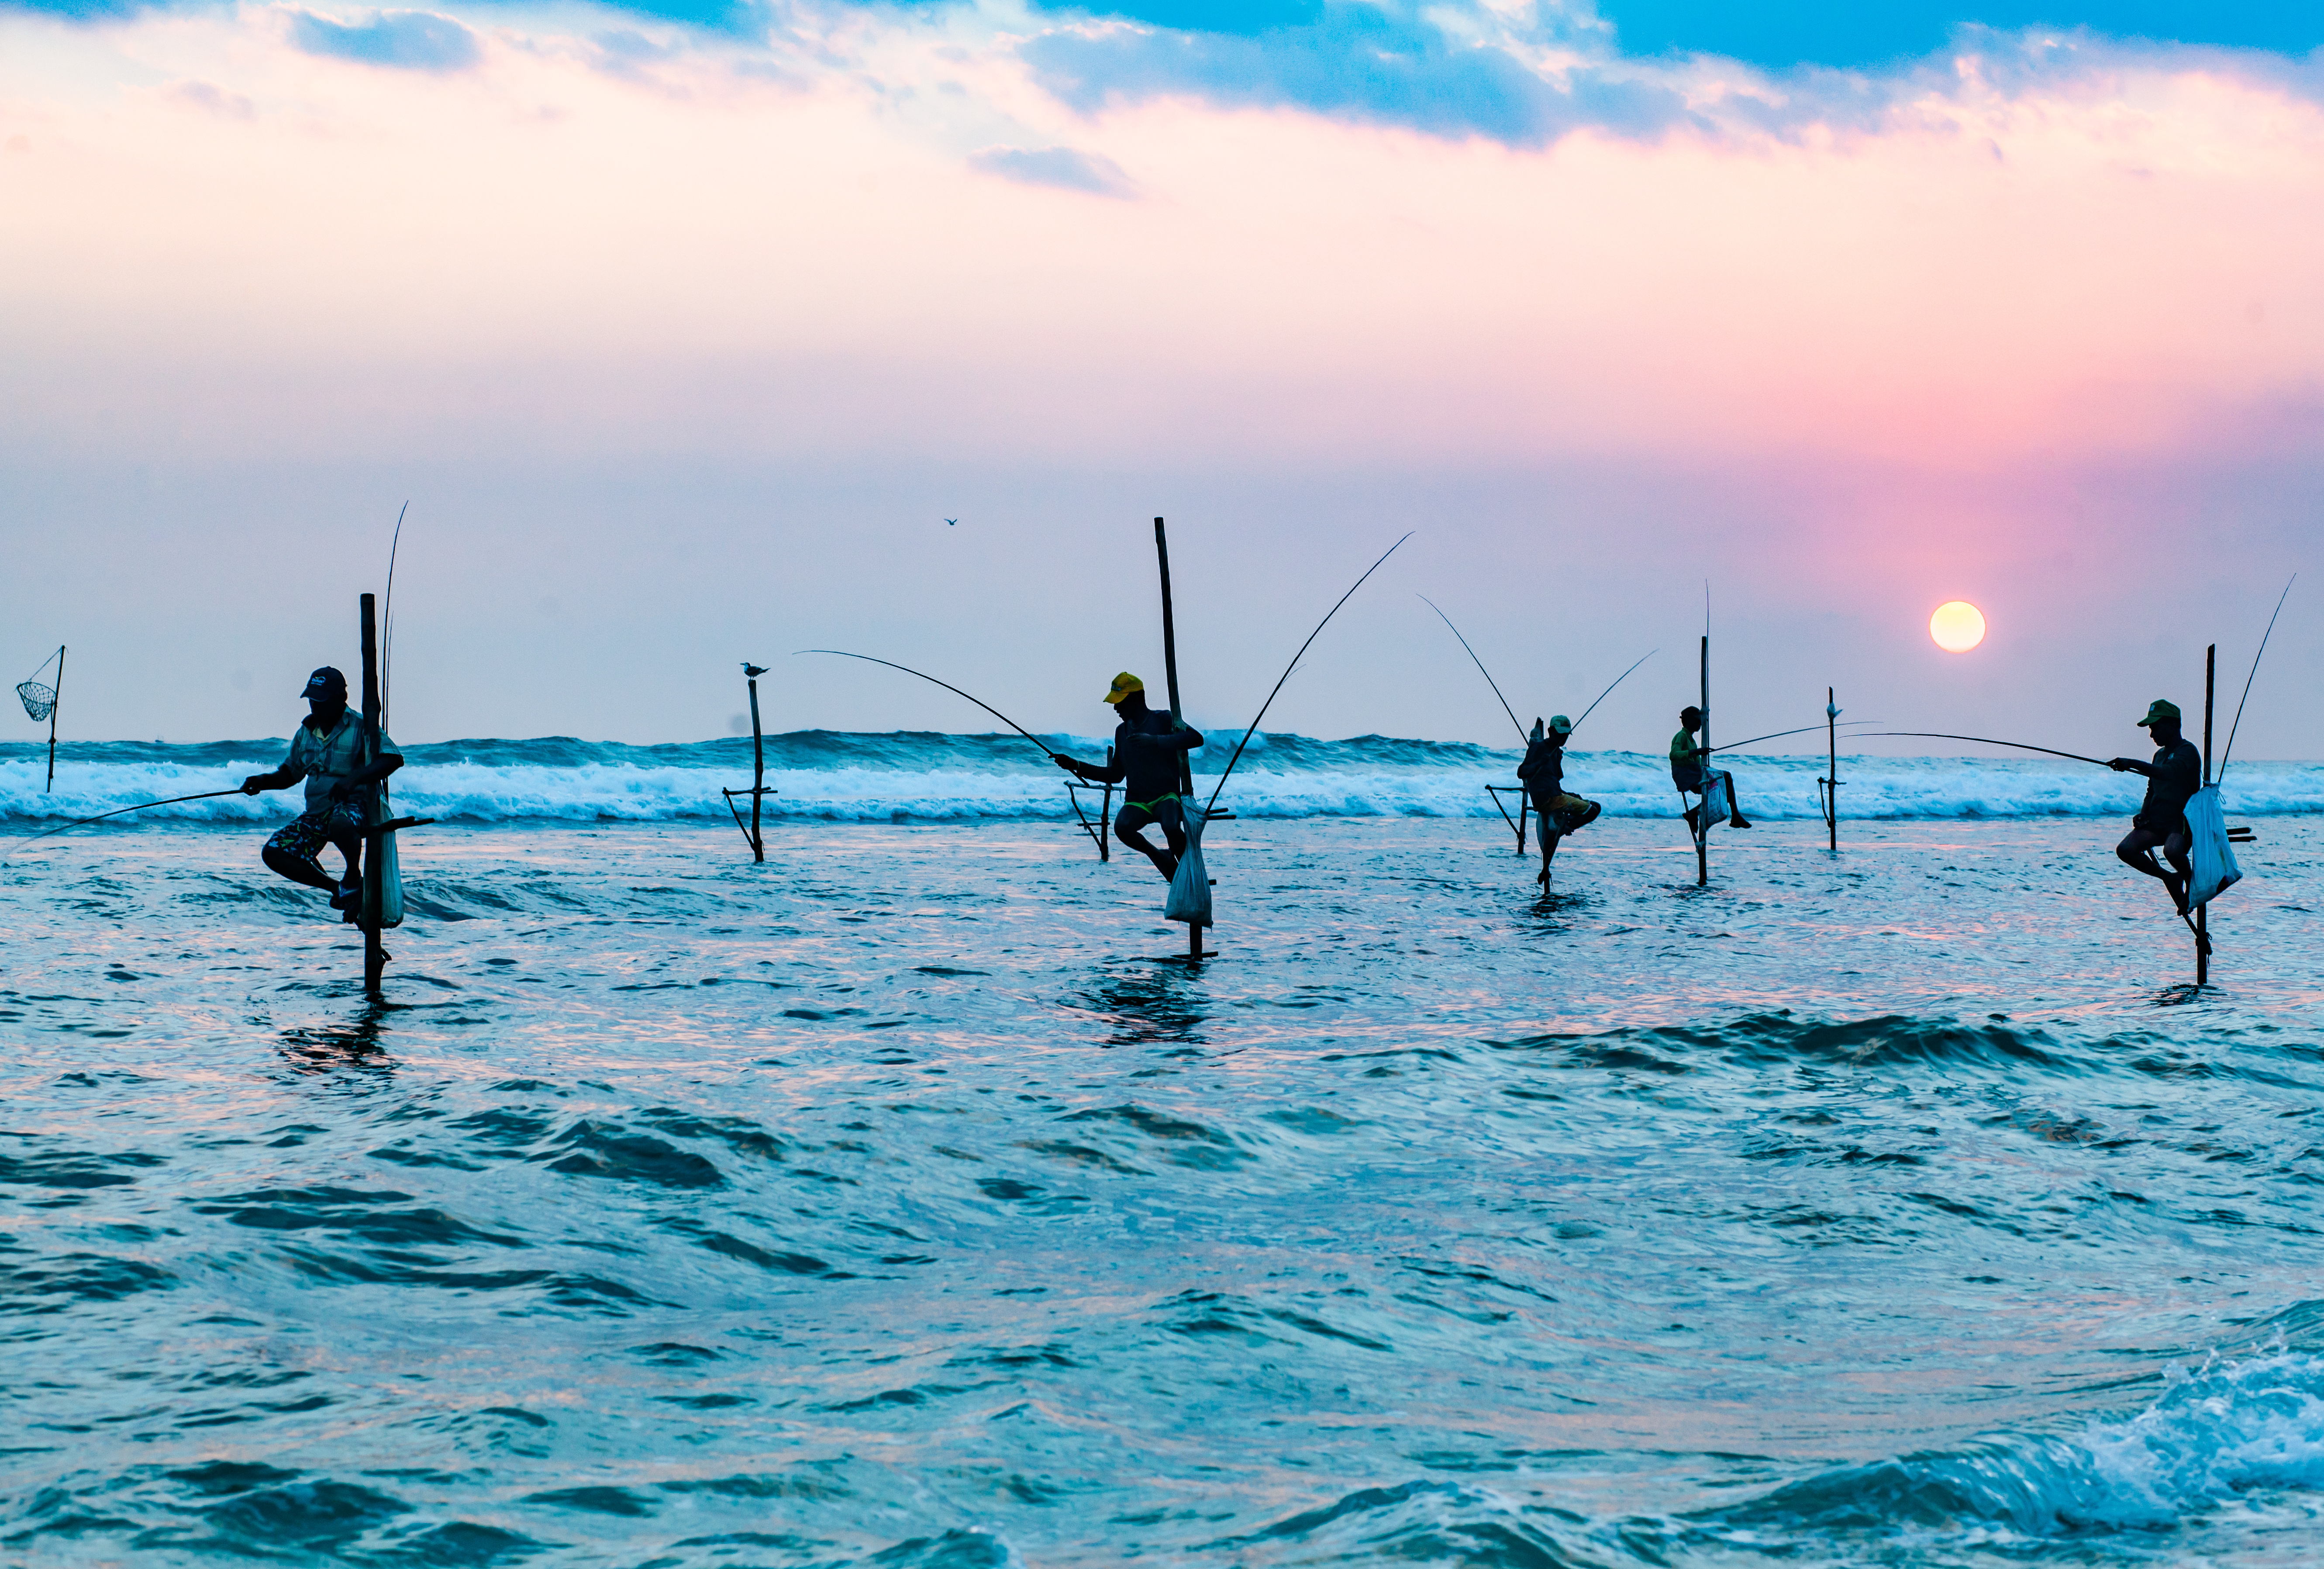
(920, 777)
(910, 1200)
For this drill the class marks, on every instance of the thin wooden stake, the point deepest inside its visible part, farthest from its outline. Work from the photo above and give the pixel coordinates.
(1831, 765)
(1170, 674)
(2203, 911)
(1703, 752)
(758, 773)
(52, 720)
(374, 952)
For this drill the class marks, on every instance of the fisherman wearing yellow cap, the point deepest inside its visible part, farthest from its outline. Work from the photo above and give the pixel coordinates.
(1150, 751)
(2171, 781)
(1544, 773)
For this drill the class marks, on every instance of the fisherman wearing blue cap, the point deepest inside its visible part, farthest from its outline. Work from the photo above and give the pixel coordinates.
(2171, 781)
(327, 752)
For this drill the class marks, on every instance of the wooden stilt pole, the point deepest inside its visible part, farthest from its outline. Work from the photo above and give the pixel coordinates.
(1831, 765)
(758, 773)
(374, 953)
(2203, 912)
(53, 706)
(1170, 674)
(1702, 818)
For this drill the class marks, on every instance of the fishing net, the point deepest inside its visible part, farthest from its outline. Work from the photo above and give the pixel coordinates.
(39, 701)
(2213, 862)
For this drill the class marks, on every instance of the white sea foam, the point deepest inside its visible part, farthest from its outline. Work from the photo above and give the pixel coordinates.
(899, 779)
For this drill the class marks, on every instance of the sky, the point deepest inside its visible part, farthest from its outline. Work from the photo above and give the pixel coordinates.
(683, 327)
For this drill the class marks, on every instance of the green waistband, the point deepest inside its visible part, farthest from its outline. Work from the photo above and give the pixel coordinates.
(1147, 807)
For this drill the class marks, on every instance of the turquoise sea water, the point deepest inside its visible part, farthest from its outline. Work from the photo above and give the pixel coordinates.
(909, 1200)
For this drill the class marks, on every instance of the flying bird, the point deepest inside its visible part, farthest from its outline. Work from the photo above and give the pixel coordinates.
(952, 521)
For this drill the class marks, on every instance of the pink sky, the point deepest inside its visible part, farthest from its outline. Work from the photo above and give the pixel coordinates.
(689, 359)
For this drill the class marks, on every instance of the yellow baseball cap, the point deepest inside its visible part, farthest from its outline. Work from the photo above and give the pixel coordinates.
(1124, 684)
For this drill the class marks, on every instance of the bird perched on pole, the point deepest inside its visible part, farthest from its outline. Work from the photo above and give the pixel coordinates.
(752, 671)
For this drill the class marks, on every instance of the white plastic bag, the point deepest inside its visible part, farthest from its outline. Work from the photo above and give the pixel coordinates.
(1190, 888)
(383, 891)
(1717, 798)
(2214, 860)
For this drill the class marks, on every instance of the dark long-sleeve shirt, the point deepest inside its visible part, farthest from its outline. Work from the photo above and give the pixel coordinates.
(2171, 781)
(1543, 768)
(1146, 754)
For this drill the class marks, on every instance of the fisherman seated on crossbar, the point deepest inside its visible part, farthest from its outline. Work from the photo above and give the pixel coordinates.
(2171, 781)
(327, 752)
(1687, 772)
(1544, 773)
(1148, 752)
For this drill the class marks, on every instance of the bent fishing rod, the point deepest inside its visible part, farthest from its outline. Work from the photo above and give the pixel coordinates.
(1779, 734)
(1985, 740)
(77, 822)
(947, 686)
(1496, 686)
(1294, 665)
(2230, 752)
(1617, 681)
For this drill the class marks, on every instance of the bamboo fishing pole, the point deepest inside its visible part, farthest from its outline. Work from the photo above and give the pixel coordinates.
(1294, 665)
(30, 839)
(947, 686)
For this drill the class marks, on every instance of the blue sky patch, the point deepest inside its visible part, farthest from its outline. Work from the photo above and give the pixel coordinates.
(406, 40)
(1780, 34)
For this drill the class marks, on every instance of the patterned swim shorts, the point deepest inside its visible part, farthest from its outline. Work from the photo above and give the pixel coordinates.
(337, 823)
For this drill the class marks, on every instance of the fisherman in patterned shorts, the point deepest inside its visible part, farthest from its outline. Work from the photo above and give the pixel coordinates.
(326, 751)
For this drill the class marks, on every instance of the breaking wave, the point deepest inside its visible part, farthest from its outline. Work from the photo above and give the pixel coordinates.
(919, 776)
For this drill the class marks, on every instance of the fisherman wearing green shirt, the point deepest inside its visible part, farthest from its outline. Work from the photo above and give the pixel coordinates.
(1686, 764)
(327, 752)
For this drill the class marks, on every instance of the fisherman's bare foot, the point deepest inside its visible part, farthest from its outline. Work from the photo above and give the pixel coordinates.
(2178, 888)
(1738, 821)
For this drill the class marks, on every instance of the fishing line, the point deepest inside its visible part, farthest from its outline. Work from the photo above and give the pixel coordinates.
(1984, 741)
(1294, 665)
(2255, 671)
(1496, 686)
(116, 811)
(948, 687)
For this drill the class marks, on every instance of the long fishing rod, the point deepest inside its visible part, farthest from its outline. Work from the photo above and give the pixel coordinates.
(1985, 740)
(1496, 686)
(116, 811)
(1294, 665)
(1778, 734)
(1617, 681)
(948, 687)
(387, 619)
(2255, 671)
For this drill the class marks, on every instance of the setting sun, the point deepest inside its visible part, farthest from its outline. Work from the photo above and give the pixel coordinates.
(1958, 626)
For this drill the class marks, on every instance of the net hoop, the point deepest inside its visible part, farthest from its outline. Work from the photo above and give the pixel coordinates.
(39, 701)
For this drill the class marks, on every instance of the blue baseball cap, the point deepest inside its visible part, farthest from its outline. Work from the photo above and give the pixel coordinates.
(326, 682)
